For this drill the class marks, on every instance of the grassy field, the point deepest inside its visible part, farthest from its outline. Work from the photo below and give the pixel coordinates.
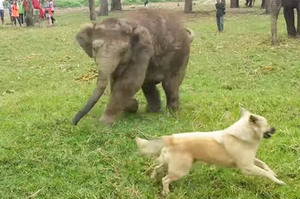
(42, 86)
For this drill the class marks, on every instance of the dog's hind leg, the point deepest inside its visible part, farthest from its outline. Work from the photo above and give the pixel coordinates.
(178, 166)
(257, 171)
(161, 160)
(156, 169)
(264, 166)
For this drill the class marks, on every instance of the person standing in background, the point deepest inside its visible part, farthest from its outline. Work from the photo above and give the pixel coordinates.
(2, 11)
(15, 13)
(52, 10)
(220, 6)
(21, 12)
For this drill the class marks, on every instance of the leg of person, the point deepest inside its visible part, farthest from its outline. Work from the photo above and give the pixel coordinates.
(2, 16)
(250, 3)
(22, 18)
(221, 23)
(19, 21)
(218, 24)
(52, 18)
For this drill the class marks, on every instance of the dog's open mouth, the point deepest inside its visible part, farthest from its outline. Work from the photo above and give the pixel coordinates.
(268, 133)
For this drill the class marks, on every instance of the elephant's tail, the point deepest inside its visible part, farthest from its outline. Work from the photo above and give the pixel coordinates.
(191, 34)
(149, 147)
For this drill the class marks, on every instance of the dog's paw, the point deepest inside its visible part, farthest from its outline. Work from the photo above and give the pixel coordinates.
(153, 175)
(273, 173)
(279, 182)
(165, 193)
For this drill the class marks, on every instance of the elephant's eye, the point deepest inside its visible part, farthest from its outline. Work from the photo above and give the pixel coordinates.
(98, 43)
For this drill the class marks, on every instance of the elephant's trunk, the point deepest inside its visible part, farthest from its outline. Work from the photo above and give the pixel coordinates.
(102, 81)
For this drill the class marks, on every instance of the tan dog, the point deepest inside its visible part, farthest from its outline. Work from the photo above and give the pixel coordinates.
(234, 147)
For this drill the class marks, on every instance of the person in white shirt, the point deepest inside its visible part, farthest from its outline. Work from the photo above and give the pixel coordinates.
(2, 11)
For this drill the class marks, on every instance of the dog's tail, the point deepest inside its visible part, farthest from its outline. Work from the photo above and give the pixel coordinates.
(149, 147)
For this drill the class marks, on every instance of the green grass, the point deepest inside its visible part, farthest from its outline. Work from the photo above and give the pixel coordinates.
(39, 95)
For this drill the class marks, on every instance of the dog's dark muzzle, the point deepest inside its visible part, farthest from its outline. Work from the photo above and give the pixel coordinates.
(268, 133)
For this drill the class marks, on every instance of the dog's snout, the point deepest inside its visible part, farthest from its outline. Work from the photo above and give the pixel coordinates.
(272, 130)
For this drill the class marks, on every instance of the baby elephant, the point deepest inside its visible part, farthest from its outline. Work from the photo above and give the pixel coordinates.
(139, 51)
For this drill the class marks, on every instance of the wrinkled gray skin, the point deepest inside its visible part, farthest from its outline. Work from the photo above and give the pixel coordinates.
(288, 11)
(139, 51)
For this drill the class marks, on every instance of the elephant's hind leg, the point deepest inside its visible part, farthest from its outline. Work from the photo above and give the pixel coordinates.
(171, 85)
(290, 21)
(152, 95)
(132, 106)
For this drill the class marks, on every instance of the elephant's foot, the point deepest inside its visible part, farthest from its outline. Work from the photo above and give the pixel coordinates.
(153, 108)
(297, 36)
(107, 119)
(132, 106)
(173, 106)
(291, 36)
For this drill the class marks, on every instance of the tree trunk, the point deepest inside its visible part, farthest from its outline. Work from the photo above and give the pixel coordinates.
(116, 5)
(92, 10)
(234, 4)
(188, 6)
(29, 14)
(263, 4)
(103, 8)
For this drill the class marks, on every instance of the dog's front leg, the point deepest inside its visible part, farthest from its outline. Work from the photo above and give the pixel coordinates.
(264, 166)
(257, 171)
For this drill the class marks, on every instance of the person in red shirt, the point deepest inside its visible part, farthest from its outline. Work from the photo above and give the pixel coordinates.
(15, 13)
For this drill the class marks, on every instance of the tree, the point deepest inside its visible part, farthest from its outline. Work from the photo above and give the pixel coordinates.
(188, 6)
(103, 8)
(263, 3)
(92, 10)
(29, 14)
(116, 5)
(234, 4)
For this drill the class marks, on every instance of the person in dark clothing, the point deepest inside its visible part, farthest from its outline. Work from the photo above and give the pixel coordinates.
(249, 3)
(220, 6)
(146, 3)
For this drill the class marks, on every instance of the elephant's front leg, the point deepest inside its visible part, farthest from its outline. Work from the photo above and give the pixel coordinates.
(152, 95)
(123, 89)
(132, 105)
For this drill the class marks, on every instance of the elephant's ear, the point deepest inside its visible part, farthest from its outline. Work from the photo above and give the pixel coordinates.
(141, 39)
(85, 38)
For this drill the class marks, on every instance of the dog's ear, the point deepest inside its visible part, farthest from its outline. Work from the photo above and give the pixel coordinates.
(253, 119)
